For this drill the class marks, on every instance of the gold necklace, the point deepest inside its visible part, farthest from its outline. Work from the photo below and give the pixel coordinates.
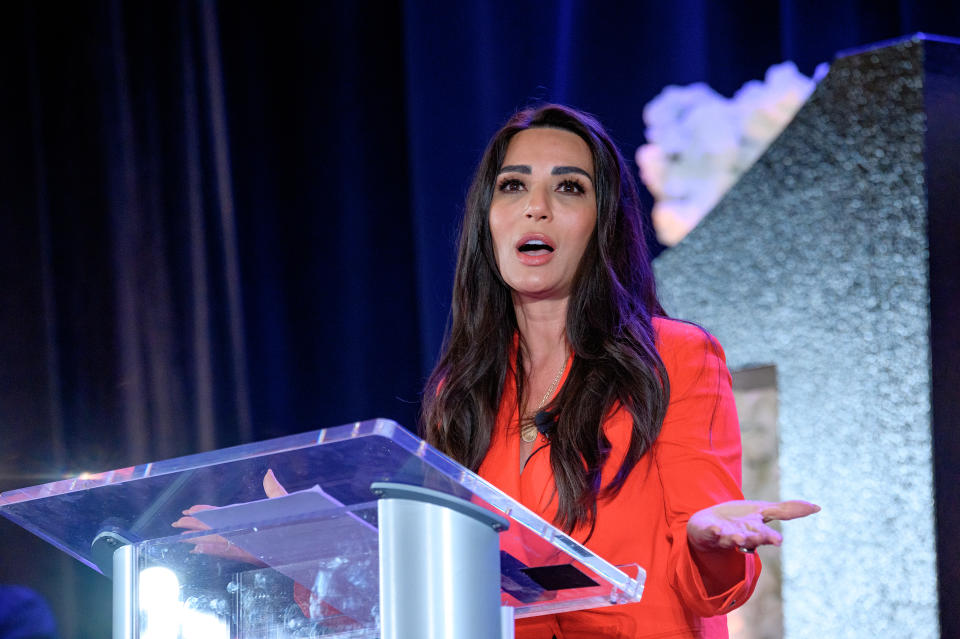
(528, 432)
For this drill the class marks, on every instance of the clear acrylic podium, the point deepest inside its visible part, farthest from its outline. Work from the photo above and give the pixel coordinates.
(380, 536)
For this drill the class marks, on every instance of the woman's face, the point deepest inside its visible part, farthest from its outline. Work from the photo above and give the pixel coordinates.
(543, 213)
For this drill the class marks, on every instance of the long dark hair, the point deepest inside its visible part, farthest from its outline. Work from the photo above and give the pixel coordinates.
(608, 327)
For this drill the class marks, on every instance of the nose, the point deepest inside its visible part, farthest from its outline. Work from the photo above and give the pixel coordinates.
(538, 204)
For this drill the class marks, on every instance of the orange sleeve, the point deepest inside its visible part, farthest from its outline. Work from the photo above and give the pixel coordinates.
(698, 457)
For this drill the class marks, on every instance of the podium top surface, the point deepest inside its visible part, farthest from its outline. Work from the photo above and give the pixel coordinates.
(138, 504)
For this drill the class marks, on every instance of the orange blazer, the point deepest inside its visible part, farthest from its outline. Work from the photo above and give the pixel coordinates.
(694, 463)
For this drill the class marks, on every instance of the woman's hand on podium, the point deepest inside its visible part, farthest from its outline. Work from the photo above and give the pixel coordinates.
(271, 486)
(218, 545)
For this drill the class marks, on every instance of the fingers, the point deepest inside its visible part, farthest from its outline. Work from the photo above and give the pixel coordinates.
(747, 532)
(786, 510)
(271, 486)
(732, 525)
(751, 537)
(745, 535)
(217, 546)
(190, 524)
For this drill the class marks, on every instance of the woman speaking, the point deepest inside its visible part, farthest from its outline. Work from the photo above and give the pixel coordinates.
(563, 382)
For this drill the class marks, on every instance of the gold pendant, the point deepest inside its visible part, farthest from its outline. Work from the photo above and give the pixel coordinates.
(528, 433)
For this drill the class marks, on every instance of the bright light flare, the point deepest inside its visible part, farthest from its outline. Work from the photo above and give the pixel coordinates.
(159, 591)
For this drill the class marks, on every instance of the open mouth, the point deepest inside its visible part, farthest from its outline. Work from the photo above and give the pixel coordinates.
(535, 247)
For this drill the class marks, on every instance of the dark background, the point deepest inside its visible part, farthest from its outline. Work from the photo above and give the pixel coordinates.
(224, 222)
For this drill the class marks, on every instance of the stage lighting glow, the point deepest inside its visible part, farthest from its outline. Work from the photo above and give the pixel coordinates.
(159, 603)
(199, 624)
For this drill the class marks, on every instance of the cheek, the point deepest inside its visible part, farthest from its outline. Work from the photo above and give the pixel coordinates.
(586, 232)
(498, 233)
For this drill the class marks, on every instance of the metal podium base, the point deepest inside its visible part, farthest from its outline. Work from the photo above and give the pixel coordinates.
(439, 565)
(125, 606)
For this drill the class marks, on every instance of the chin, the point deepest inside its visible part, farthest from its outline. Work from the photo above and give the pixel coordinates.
(539, 293)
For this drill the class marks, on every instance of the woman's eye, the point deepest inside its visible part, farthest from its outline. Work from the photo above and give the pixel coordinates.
(510, 184)
(570, 186)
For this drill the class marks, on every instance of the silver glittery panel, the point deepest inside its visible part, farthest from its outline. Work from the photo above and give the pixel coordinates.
(816, 262)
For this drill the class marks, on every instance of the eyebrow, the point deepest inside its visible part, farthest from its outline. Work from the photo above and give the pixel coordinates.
(557, 170)
(515, 168)
(562, 170)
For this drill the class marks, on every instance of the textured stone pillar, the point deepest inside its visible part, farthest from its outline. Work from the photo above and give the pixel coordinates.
(836, 259)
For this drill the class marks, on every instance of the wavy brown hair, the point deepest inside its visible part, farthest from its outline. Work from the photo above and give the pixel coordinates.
(608, 328)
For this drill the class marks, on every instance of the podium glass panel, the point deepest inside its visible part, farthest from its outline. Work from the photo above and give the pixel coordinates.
(303, 565)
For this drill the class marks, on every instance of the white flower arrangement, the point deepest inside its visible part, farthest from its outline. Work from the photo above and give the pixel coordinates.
(700, 143)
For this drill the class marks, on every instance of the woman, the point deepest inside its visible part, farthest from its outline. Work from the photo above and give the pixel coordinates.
(563, 382)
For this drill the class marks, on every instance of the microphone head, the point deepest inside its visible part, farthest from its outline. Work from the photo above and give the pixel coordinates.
(544, 419)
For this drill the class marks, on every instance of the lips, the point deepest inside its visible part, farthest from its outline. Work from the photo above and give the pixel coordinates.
(535, 243)
(534, 249)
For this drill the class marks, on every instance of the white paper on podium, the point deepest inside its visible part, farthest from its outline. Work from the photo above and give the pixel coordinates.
(303, 502)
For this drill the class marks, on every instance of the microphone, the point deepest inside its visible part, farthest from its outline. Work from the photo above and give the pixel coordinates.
(544, 420)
